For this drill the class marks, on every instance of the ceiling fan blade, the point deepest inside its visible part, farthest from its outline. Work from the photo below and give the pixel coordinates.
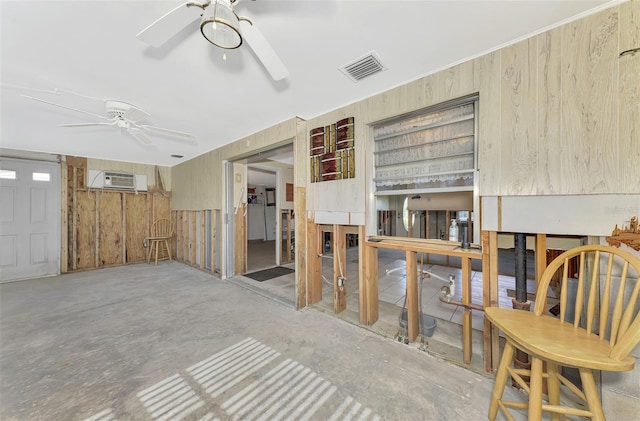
(140, 135)
(65, 107)
(263, 50)
(112, 123)
(135, 114)
(163, 130)
(168, 25)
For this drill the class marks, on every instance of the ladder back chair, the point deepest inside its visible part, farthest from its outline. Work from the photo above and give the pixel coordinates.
(161, 234)
(600, 334)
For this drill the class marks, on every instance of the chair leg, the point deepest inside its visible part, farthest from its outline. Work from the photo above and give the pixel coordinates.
(553, 388)
(151, 244)
(166, 242)
(535, 389)
(157, 247)
(501, 380)
(591, 394)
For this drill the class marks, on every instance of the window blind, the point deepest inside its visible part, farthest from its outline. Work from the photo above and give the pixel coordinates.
(433, 150)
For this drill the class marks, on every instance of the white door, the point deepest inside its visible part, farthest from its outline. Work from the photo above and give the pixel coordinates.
(29, 219)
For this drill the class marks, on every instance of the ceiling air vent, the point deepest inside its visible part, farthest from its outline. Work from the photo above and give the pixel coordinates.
(366, 65)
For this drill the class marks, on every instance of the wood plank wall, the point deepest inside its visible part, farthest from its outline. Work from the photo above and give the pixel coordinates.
(190, 242)
(107, 227)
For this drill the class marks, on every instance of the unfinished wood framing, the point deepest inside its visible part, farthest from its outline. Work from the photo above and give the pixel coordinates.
(135, 216)
(412, 246)
(203, 238)
(104, 227)
(179, 235)
(466, 312)
(412, 294)
(73, 225)
(192, 238)
(314, 263)
(486, 301)
(96, 240)
(214, 239)
(541, 256)
(185, 236)
(493, 286)
(368, 282)
(64, 219)
(339, 269)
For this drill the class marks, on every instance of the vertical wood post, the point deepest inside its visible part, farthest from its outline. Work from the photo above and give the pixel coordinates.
(185, 237)
(123, 242)
(339, 269)
(214, 236)
(64, 215)
(372, 286)
(362, 276)
(314, 263)
(203, 242)
(541, 256)
(192, 238)
(466, 313)
(493, 279)
(486, 299)
(96, 259)
(74, 221)
(178, 235)
(412, 294)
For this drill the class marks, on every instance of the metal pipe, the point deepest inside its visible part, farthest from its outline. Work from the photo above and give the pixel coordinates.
(445, 297)
(521, 267)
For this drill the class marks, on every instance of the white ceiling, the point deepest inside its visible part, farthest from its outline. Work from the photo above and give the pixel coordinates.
(89, 47)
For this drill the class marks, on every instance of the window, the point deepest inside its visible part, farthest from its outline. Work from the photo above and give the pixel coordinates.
(432, 151)
(8, 174)
(424, 166)
(41, 176)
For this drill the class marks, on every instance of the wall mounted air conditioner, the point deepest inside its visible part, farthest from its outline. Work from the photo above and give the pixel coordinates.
(116, 180)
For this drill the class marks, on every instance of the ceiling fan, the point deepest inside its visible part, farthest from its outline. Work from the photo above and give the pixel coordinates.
(221, 26)
(121, 115)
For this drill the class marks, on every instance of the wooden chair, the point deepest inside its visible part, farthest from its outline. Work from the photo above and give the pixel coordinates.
(161, 233)
(595, 339)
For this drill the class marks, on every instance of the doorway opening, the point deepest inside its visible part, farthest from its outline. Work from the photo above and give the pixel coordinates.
(263, 238)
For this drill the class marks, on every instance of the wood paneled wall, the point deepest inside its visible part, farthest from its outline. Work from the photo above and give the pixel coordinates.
(198, 183)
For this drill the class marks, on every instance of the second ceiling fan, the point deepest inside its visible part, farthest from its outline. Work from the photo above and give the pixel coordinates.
(221, 26)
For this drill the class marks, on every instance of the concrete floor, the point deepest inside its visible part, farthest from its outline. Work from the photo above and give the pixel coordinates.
(144, 342)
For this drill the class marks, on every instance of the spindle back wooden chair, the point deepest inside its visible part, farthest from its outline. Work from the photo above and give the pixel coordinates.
(161, 234)
(599, 335)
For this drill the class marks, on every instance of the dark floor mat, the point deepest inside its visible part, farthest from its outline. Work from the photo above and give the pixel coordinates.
(265, 275)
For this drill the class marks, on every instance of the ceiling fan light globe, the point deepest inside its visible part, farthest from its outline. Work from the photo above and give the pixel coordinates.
(221, 27)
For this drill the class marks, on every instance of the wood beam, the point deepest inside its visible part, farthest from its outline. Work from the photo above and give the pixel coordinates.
(493, 286)
(369, 306)
(466, 312)
(192, 238)
(412, 294)
(541, 256)
(486, 299)
(339, 269)
(314, 263)
(214, 239)
(203, 238)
